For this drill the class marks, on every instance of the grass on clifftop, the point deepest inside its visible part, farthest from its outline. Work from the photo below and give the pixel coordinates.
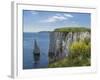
(72, 29)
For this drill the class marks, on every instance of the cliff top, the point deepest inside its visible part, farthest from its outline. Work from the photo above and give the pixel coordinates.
(72, 29)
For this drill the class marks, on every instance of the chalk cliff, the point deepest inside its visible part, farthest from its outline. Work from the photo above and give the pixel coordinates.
(60, 41)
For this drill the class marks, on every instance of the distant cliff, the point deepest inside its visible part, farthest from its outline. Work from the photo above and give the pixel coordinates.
(61, 39)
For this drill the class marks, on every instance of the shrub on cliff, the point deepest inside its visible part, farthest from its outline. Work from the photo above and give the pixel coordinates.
(80, 53)
(78, 48)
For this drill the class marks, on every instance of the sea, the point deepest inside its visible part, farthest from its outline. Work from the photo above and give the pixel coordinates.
(29, 60)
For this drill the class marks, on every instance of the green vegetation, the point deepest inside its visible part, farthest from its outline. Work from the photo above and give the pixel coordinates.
(79, 55)
(79, 49)
(71, 29)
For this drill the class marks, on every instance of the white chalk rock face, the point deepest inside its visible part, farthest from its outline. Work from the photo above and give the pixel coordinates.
(60, 42)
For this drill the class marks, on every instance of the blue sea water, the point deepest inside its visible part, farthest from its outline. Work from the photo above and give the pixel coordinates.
(29, 61)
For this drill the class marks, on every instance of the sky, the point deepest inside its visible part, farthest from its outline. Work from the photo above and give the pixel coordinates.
(36, 21)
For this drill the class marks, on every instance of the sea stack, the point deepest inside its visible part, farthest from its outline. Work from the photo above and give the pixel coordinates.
(36, 50)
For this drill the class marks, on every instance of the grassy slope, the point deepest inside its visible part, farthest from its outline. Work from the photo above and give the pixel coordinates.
(67, 62)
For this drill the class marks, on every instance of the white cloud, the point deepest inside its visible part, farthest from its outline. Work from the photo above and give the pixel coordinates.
(68, 15)
(34, 12)
(55, 18)
(58, 17)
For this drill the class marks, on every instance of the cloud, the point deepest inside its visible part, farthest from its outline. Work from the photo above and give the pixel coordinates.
(55, 18)
(34, 12)
(58, 17)
(68, 15)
